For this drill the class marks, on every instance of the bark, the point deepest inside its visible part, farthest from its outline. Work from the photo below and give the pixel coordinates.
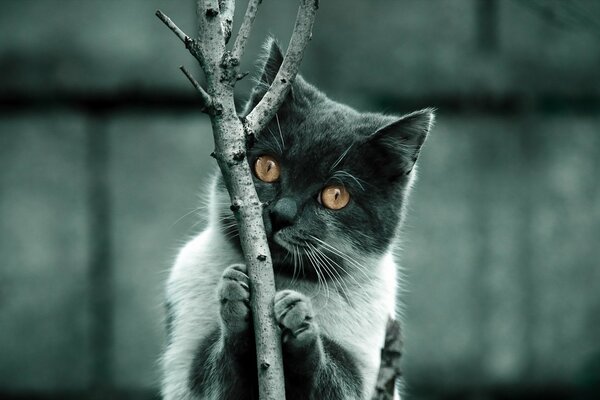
(389, 369)
(231, 135)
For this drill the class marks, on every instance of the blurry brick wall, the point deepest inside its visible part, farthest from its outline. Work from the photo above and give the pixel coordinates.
(501, 254)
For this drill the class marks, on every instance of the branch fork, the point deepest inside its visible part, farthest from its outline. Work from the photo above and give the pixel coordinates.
(208, 105)
(232, 136)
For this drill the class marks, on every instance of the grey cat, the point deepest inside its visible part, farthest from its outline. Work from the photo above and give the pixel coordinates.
(336, 182)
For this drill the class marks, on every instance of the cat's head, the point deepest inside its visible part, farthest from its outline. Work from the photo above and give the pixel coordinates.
(335, 180)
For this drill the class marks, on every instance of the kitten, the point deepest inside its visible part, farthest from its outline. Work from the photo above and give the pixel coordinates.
(335, 181)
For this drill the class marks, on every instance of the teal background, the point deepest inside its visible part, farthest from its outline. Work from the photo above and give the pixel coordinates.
(104, 155)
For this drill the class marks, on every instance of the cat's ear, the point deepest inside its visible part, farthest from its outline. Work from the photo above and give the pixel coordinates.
(399, 143)
(271, 61)
(273, 58)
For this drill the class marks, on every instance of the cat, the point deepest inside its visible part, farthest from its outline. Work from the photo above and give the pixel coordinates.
(335, 183)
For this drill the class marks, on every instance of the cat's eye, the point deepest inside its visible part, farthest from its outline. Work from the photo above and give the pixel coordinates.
(334, 197)
(266, 168)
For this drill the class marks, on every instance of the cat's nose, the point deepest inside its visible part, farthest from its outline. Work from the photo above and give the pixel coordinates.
(283, 213)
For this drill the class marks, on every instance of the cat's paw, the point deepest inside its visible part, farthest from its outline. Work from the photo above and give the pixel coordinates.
(294, 314)
(234, 296)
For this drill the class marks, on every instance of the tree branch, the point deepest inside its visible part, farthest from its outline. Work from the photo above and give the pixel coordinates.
(207, 103)
(211, 7)
(227, 8)
(168, 22)
(389, 369)
(221, 68)
(211, 42)
(266, 109)
(190, 44)
(245, 28)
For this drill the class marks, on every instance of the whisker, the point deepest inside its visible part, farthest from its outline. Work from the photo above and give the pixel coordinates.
(345, 257)
(301, 260)
(337, 280)
(295, 257)
(341, 267)
(358, 181)
(197, 209)
(287, 254)
(325, 283)
(320, 275)
(195, 224)
(276, 141)
(231, 234)
(340, 158)
(335, 275)
(360, 293)
(280, 133)
(294, 275)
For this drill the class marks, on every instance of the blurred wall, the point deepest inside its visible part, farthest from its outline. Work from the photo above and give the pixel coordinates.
(103, 155)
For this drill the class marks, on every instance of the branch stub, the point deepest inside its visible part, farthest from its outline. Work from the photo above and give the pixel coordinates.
(211, 12)
(250, 140)
(242, 75)
(239, 155)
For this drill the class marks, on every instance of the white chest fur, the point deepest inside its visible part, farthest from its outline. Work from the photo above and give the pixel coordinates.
(355, 317)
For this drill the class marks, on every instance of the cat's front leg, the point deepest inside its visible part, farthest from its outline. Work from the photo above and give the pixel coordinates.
(315, 366)
(302, 347)
(236, 319)
(225, 365)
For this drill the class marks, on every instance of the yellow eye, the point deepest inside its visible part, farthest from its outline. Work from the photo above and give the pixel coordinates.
(266, 169)
(334, 197)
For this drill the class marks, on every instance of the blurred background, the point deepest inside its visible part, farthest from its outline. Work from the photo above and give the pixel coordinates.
(104, 152)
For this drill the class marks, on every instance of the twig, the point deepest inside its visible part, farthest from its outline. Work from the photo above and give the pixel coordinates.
(389, 369)
(242, 75)
(207, 103)
(266, 109)
(180, 34)
(190, 44)
(245, 28)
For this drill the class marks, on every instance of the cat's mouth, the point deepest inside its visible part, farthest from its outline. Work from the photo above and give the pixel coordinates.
(304, 257)
(288, 241)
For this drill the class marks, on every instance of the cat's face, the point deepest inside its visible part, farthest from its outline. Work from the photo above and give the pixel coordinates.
(334, 179)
